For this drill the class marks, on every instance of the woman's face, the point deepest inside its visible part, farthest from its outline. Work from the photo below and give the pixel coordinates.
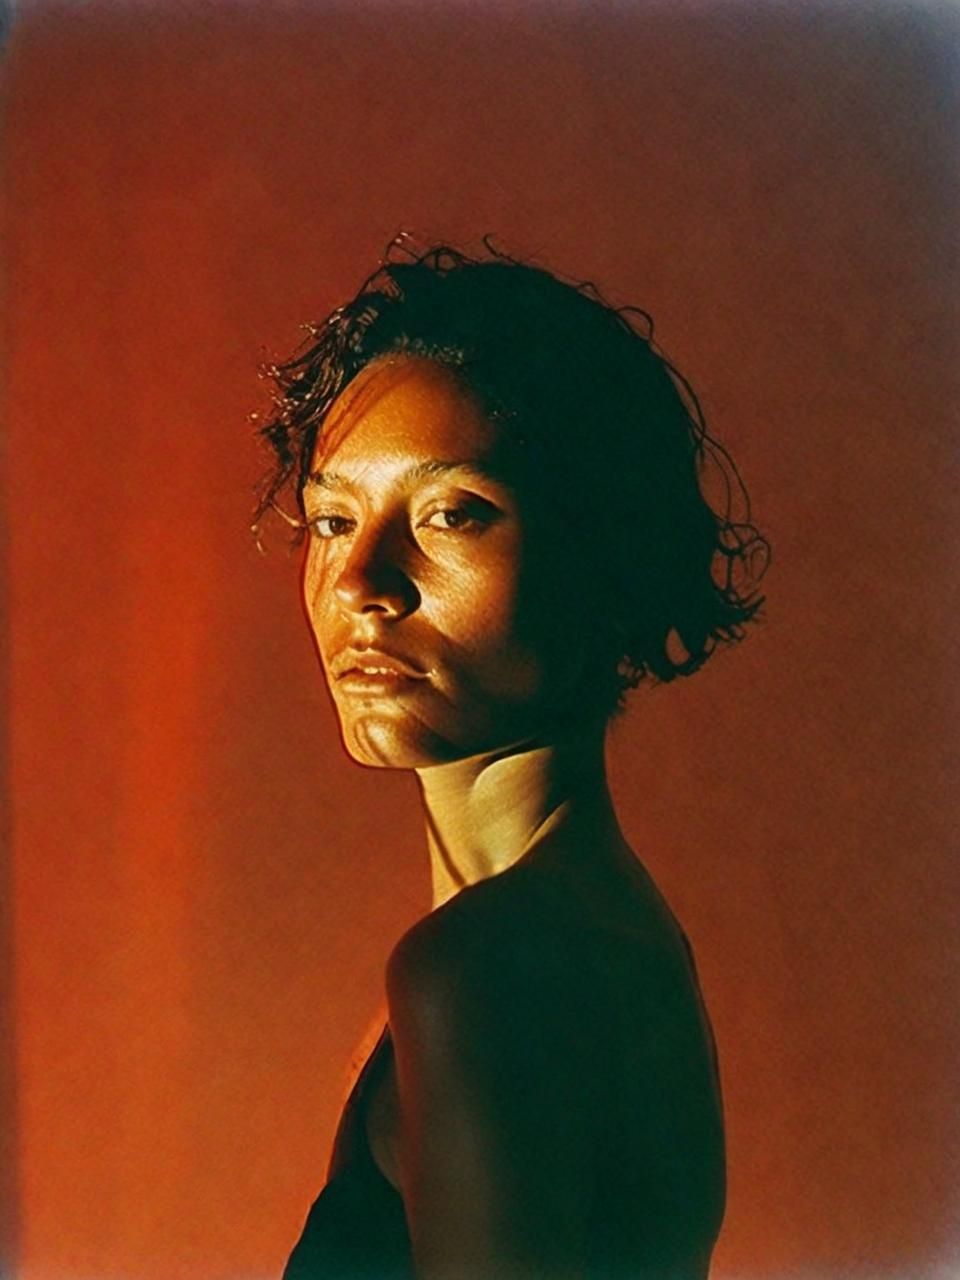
(429, 559)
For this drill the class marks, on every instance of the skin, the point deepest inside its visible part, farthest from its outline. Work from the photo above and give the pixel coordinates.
(550, 1051)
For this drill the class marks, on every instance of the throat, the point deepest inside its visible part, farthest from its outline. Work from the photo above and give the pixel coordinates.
(485, 812)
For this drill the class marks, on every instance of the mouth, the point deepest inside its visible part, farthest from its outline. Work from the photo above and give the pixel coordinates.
(374, 671)
(376, 681)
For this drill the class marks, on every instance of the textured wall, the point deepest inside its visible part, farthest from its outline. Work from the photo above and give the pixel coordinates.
(202, 887)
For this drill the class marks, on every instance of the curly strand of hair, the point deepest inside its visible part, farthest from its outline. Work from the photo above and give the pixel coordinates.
(623, 314)
(709, 446)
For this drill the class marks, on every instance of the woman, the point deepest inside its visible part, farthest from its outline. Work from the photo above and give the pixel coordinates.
(498, 474)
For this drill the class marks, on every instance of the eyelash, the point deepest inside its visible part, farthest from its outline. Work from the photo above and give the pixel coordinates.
(469, 524)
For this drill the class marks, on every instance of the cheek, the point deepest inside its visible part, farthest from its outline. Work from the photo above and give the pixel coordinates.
(502, 629)
(318, 600)
(553, 623)
(479, 610)
(309, 599)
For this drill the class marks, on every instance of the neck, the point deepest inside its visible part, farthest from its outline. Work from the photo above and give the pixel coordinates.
(483, 813)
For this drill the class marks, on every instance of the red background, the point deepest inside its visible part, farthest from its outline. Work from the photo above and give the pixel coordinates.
(202, 888)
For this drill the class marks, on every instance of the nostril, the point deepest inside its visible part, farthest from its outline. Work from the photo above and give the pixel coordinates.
(388, 590)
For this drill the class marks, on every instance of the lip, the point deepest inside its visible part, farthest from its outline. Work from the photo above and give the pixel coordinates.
(387, 683)
(356, 667)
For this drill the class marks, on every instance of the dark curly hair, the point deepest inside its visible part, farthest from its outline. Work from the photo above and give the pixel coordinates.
(560, 367)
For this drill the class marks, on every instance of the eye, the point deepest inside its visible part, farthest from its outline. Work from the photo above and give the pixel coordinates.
(470, 517)
(328, 526)
(449, 518)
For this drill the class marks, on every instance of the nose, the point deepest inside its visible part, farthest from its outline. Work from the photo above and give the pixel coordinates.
(374, 578)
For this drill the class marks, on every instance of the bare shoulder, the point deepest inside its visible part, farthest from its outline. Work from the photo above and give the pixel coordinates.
(491, 938)
(537, 944)
(491, 983)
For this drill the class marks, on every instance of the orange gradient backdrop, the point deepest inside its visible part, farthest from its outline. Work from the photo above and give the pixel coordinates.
(202, 889)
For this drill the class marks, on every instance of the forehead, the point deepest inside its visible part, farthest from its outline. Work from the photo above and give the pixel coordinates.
(404, 406)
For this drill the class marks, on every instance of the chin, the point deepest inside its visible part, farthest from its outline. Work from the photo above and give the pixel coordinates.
(377, 744)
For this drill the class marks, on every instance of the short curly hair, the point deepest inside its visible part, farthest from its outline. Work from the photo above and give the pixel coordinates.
(561, 367)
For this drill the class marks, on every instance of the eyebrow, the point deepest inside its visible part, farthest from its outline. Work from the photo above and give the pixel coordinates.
(418, 471)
